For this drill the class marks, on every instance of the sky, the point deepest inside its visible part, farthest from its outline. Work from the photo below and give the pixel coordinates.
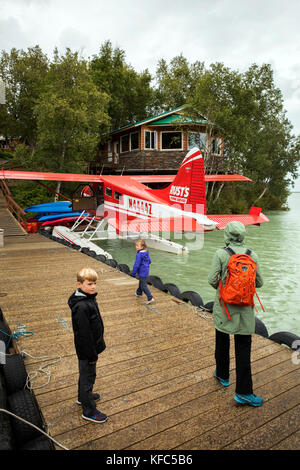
(235, 32)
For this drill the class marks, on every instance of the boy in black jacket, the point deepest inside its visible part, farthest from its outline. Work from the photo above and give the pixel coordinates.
(88, 331)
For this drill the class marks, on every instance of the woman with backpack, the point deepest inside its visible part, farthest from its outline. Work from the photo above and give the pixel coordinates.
(235, 273)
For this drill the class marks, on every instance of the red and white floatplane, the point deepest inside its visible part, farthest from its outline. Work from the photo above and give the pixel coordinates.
(130, 209)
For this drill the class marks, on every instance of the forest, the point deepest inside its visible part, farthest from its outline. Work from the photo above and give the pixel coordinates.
(60, 108)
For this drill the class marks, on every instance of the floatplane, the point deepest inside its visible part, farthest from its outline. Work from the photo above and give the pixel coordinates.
(130, 209)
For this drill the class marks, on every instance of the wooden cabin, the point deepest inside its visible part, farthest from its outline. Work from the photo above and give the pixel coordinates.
(157, 144)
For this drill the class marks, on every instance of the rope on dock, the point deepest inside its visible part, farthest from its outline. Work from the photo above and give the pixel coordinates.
(2, 410)
(31, 376)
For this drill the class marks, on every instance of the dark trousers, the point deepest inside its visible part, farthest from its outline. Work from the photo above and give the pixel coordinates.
(143, 287)
(242, 344)
(87, 377)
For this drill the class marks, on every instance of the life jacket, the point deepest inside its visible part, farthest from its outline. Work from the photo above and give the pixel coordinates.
(240, 285)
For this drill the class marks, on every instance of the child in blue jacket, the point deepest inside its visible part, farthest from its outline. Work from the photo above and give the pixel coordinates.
(141, 267)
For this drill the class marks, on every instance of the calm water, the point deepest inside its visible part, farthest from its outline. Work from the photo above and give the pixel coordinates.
(277, 244)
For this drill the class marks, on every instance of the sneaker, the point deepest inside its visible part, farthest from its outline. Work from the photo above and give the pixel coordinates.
(138, 295)
(98, 417)
(224, 382)
(96, 397)
(251, 399)
(150, 301)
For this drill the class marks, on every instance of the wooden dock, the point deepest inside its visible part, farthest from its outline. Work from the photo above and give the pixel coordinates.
(156, 374)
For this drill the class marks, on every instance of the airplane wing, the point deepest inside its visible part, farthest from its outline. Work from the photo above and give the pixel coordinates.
(255, 217)
(170, 178)
(46, 176)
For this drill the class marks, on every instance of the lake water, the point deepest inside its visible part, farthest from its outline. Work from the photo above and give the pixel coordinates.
(277, 245)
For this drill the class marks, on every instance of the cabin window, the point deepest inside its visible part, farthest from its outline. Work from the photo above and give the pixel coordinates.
(118, 195)
(134, 141)
(108, 192)
(150, 139)
(216, 146)
(125, 143)
(171, 140)
(197, 139)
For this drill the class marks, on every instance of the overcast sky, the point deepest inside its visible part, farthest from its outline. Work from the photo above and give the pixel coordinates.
(235, 32)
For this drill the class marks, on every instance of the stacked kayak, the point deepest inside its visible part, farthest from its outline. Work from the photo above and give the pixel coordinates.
(52, 213)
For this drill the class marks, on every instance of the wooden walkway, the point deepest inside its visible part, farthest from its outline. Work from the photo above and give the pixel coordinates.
(156, 375)
(8, 223)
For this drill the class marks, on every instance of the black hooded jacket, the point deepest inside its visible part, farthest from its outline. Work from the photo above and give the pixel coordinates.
(87, 324)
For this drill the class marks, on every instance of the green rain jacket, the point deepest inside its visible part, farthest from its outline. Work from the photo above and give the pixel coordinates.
(242, 318)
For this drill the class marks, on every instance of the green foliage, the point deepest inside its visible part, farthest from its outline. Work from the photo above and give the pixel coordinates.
(5, 155)
(23, 73)
(30, 194)
(130, 92)
(61, 110)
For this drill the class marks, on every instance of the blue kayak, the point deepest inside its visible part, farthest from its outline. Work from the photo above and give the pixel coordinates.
(51, 207)
(60, 215)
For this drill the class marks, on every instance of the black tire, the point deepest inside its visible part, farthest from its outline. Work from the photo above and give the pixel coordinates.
(289, 339)
(209, 306)
(111, 262)
(172, 289)
(260, 328)
(101, 258)
(23, 404)
(85, 250)
(92, 253)
(155, 281)
(40, 443)
(5, 333)
(6, 436)
(124, 268)
(193, 297)
(15, 374)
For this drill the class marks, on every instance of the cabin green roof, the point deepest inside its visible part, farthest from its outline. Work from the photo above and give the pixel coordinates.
(178, 119)
(167, 117)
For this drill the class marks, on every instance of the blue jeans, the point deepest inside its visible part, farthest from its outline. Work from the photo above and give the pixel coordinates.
(143, 287)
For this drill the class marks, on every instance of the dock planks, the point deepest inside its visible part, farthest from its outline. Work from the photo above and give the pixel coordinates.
(156, 374)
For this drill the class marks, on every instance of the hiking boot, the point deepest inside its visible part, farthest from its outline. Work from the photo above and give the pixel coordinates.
(224, 382)
(150, 301)
(251, 399)
(98, 417)
(96, 397)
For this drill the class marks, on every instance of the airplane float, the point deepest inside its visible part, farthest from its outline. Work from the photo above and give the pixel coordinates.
(132, 209)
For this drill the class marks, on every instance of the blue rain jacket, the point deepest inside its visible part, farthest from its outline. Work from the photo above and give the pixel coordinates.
(141, 265)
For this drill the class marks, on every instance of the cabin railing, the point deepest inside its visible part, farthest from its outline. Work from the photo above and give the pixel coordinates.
(12, 206)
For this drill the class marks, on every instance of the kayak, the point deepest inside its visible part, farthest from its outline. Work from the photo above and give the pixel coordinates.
(51, 207)
(66, 220)
(60, 216)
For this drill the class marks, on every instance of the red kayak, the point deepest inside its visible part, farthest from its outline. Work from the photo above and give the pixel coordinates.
(67, 220)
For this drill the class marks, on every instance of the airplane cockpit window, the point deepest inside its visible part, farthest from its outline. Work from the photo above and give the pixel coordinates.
(118, 196)
(108, 192)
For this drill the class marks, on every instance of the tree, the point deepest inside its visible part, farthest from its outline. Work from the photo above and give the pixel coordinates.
(24, 76)
(175, 82)
(70, 114)
(130, 92)
(247, 111)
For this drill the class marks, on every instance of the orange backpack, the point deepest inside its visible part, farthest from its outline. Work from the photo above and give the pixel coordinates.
(240, 285)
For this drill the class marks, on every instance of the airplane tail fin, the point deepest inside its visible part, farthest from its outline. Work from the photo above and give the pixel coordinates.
(188, 186)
